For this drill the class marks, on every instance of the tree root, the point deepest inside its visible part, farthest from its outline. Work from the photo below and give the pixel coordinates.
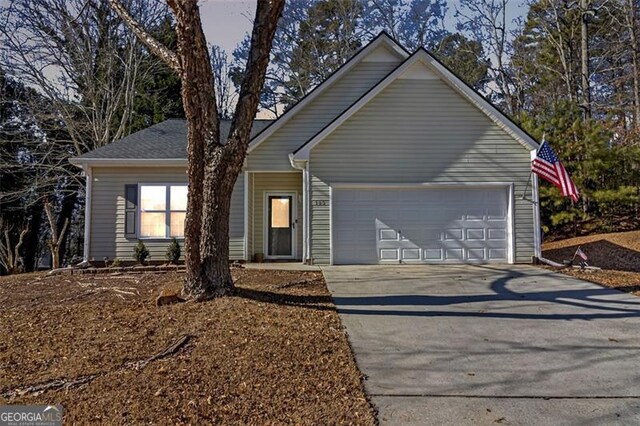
(52, 385)
(169, 350)
(119, 291)
(64, 384)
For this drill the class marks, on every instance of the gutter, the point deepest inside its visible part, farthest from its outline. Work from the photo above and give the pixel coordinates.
(128, 162)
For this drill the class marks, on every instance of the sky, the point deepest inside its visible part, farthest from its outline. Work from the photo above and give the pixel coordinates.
(225, 22)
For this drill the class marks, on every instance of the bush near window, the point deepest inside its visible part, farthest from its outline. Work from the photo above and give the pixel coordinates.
(173, 251)
(140, 253)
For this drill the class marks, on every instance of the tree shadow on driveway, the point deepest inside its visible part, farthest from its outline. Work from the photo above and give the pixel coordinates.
(595, 301)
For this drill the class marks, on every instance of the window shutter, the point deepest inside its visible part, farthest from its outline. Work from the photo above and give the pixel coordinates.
(130, 210)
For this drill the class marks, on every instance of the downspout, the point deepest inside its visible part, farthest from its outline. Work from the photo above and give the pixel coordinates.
(307, 190)
(87, 211)
(304, 167)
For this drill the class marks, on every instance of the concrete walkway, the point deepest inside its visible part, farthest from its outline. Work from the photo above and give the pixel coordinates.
(282, 266)
(491, 344)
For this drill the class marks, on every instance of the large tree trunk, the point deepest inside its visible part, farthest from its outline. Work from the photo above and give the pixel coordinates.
(224, 161)
(213, 165)
(203, 128)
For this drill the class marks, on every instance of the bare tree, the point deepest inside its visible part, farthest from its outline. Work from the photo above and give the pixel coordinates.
(486, 21)
(213, 165)
(85, 65)
(10, 258)
(55, 235)
(226, 96)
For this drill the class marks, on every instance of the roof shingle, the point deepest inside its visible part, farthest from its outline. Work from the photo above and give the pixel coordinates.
(166, 140)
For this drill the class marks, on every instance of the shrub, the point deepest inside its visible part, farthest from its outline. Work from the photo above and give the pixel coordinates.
(140, 253)
(116, 263)
(173, 251)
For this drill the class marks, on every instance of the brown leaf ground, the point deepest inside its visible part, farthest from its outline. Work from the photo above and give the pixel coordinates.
(618, 254)
(275, 353)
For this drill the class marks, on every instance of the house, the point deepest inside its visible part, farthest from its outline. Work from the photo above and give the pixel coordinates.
(391, 159)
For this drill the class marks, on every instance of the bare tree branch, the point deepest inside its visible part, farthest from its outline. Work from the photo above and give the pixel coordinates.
(169, 57)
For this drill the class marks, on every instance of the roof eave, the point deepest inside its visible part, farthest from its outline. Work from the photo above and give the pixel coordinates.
(128, 162)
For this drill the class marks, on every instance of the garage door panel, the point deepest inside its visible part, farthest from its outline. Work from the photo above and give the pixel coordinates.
(419, 225)
(497, 234)
(453, 254)
(476, 254)
(473, 234)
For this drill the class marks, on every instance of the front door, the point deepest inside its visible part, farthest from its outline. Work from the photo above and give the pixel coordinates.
(280, 226)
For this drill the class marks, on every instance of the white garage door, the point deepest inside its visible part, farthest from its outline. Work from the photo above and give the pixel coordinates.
(420, 225)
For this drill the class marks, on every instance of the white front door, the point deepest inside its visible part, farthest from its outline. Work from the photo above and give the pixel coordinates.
(280, 223)
(462, 225)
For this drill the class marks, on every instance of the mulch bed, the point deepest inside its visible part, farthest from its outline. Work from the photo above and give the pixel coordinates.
(97, 344)
(618, 254)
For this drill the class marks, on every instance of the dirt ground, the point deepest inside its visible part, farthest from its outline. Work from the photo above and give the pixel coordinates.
(618, 254)
(274, 353)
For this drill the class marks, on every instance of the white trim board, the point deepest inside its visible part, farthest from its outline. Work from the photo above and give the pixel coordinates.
(421, 56)
(87, 213)
(382, 40)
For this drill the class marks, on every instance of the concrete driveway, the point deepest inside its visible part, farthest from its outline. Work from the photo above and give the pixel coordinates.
(490, 344)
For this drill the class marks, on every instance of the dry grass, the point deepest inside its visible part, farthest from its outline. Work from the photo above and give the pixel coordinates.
(618, 254)
(275, 353)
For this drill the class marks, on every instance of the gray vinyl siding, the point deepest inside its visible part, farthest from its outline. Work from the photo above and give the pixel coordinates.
(418, 131)
(107, 237)
(273, 153)
(273, 182)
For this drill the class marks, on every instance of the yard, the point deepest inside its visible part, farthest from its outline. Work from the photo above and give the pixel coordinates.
(618, 254)
(98, 345)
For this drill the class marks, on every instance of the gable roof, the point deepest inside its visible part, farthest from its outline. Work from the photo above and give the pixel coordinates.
(445, 74)
(381, 40)
(163, 142)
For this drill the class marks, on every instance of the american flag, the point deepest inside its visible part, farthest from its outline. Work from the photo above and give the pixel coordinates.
(548, 166)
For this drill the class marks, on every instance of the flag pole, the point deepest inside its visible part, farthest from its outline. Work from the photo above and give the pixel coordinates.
(524, 193)
(575, 254)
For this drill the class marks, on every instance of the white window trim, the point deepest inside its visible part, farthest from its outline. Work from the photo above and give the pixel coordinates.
(167, 211)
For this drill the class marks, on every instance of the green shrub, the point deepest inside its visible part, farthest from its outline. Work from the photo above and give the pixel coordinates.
(140, 253)
(116, 263)
(173, 252)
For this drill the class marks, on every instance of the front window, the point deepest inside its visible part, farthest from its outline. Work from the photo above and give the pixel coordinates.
(163, 209)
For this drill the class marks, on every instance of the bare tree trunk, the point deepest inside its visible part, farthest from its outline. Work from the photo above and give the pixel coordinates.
(55, 239)
(224, 162)
(10, 253)
(65, 216)
(634, 62)
(584, 56)
(212, 165)
(32, 239)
